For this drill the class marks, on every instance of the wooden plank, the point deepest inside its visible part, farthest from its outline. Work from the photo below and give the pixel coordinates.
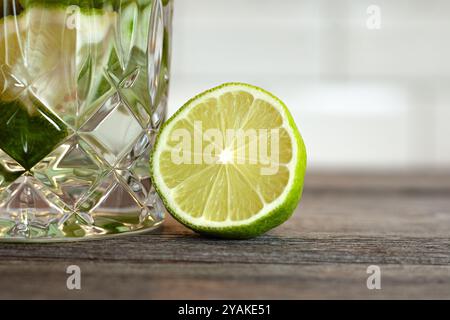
(412, 205)
(225, 281)
(310, 249)
(344, 224)
(387, 182)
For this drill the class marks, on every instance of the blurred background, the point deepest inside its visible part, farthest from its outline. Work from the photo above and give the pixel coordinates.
(366, 81)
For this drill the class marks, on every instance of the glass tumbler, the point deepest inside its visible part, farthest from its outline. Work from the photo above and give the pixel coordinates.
(83, 92)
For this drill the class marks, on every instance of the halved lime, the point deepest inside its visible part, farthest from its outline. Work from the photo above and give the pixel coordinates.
(230, 163)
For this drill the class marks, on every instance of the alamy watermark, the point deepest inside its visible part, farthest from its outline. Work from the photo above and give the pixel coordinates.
(231, 146)
(73, 17)
(374, 280)
(73, 281)
(373, 21)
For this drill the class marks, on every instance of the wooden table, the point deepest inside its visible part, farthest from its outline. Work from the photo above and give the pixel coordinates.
(345, 223)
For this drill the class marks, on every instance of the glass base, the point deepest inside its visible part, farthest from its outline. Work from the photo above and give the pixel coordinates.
(31, 215)
(142, 230)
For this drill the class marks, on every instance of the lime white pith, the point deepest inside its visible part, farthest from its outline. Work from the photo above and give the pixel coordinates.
(231, 200)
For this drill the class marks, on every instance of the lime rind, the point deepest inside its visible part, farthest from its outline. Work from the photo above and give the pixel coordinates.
(273, 214)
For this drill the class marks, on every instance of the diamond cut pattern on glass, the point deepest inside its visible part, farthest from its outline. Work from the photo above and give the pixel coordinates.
(131, 85)
(70, 170)
(75, 122)
(128, 28)
(155, 206)
(26, 137)
(10, 170)
(133, 89)
(29, 207)
(94, 84)
(155, 49)
(141, 146)
(89, 201)
(138, 180)
(159, 114)
(138, 184)
(113, 194)
(10, 86)
(39, 59)
(112, 130)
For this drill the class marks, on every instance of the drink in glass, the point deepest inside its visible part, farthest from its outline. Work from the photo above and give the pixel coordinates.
(83, 92)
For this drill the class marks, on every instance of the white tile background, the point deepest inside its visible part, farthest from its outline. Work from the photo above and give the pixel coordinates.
(363, 99)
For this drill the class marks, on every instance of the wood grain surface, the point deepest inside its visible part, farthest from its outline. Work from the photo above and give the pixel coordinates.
(345, 223)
